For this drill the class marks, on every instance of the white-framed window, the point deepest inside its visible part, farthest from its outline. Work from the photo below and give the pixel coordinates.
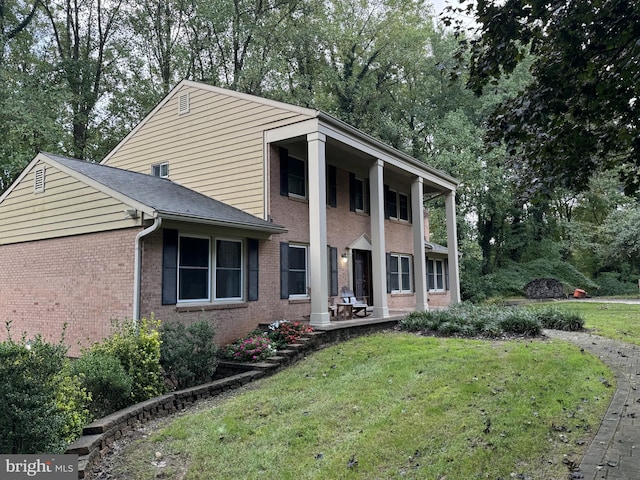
(400, 273)
(39, 179)
(160, 170)
(228, 277)
(298, 270)
(397, 205)
(436, 275)
(194, 261)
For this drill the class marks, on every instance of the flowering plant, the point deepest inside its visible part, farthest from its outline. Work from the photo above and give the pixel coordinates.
(283, 332)
(252, 348)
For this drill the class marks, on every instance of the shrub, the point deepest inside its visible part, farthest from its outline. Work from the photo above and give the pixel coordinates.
(137, 346)
(519, 321)
(188, 354)
(43, 407)
(252, 348)
(283, 332)
(557, 319)
(105, 378)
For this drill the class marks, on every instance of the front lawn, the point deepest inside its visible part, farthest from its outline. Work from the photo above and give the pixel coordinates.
(392, 406)
(613, 320)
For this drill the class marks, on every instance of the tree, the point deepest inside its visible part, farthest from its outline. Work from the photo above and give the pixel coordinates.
(15, 17)
(86, 37)
(580, 113)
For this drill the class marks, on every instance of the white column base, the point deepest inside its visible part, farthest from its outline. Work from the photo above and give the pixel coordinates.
(320, 319)
(380, 312)
(422, 307)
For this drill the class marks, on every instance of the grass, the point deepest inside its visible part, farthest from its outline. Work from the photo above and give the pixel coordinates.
(393, 406)
(613, 320)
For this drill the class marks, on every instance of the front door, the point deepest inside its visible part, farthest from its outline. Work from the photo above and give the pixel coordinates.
(362, 281)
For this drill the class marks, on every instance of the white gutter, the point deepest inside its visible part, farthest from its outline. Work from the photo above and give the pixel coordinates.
(137, 266)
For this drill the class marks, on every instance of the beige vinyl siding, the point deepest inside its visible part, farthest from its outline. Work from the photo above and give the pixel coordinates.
(66, 207)
(215, 149)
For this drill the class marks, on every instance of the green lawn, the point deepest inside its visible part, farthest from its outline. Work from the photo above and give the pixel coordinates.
(613, 320)
(392, 406)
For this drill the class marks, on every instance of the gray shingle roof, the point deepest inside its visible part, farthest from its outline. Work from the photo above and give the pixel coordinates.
(435, 248)
(166, 197)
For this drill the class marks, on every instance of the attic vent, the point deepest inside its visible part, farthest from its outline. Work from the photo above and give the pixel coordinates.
(38, 183)
(183, 103)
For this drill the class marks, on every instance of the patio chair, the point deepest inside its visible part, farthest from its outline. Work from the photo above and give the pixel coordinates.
(358, 305)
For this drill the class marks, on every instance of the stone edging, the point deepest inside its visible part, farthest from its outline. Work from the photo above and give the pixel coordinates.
(98, 436)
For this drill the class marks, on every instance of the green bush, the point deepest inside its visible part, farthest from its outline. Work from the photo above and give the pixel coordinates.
(104, 377)
(188, 354)
(557, 319)
(519, 321)
(137, 346)
(614, 283)
(43, 407)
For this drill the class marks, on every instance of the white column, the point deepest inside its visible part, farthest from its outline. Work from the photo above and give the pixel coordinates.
(452, 245)
(419, 261)
(379, 259)
(318, 230)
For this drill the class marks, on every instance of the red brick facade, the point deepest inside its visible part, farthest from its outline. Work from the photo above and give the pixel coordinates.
(83, 281)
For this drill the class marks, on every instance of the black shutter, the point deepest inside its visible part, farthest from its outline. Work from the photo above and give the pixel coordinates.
(284, 171)
(367, 197)
(352, 191)
(252, 294)
(387, 208)
(427, 269)
(169, 267)
(388, 273)
(446, 273)
(333, 271)
(332, 186)
(284, 270)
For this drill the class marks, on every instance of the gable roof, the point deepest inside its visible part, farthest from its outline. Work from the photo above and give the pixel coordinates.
(160, 197)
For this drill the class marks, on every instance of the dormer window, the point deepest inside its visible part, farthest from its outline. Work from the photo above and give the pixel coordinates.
(160, 170)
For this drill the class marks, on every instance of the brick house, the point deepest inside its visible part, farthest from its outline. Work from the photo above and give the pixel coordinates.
(225, 206)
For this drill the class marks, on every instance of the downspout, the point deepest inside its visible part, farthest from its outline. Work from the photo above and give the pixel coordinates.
(137, 266)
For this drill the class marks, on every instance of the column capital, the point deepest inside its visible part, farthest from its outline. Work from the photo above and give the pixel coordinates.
(316, 136)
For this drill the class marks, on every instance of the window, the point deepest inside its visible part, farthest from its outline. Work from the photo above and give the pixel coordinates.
(160, 170)
(400, 273)
(228, 279)
(403, 206)
(297, 183)
(193, 269)
(435, 275)
(396, 204)
(297, 270)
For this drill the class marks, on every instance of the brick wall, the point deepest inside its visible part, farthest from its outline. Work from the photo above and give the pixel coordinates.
(84, 281)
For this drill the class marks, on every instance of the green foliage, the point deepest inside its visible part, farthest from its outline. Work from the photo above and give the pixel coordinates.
(470, 320)
(137, 346)
(509, 281)
(104, 377)
(559, 319)
(614, 283)
(43, 407)
(578, 115)
(252, 348)
(188, 354)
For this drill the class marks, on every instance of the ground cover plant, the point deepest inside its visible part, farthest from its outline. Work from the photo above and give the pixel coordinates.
(613, 320)
(473, 320)
(392, 405)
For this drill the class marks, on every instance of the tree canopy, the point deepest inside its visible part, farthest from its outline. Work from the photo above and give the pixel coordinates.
(580, 113)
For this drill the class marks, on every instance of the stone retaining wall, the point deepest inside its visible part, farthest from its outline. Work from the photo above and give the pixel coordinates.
(98, 436)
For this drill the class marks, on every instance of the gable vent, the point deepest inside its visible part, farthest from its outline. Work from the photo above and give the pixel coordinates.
(38, 183)
(183, 103)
